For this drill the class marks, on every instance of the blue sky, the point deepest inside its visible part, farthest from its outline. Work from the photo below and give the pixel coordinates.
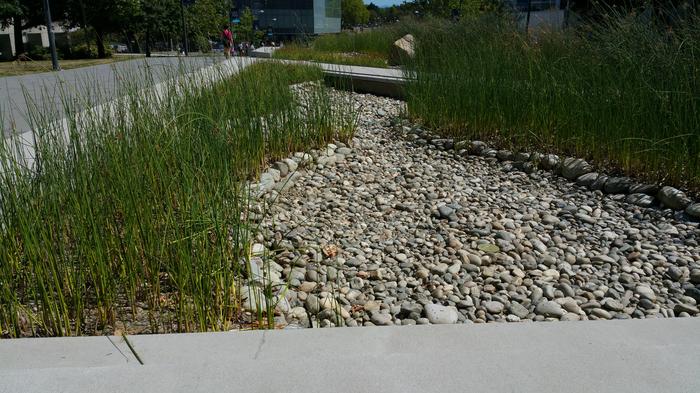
(384, 3)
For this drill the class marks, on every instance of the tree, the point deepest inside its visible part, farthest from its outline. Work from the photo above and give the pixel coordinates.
(105, 16)
(353, 13)
(244, 30)
(375, 13)
(205, 19)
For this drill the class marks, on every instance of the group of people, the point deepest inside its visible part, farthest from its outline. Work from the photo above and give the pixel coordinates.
(230, 49)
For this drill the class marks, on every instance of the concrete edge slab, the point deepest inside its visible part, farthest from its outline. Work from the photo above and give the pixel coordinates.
(45, 353)
(613, 356)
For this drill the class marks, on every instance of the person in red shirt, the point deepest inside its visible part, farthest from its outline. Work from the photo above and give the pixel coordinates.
(227, 37)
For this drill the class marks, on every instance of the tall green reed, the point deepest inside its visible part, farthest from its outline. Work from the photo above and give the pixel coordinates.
(622, 91)
(139, 210)
(371, 47)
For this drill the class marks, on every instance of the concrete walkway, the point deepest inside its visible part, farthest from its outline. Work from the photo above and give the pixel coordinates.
(651, 355)
(89, 85)
(92, 86)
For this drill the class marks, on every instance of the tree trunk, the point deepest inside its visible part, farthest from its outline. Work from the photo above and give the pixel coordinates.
(133, 43)
(148, 41)
(17, 27)
(100, 44)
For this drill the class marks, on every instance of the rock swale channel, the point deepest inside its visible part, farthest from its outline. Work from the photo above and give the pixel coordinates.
(399, 229)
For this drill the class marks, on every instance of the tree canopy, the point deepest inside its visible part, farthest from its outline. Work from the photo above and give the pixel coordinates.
(353, 13)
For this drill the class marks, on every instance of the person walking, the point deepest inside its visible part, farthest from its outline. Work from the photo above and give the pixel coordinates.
(227, 37)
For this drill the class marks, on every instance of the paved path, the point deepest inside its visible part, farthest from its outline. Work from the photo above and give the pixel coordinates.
(94, 85)
(650, 355)
(363, 72)
(91, 86)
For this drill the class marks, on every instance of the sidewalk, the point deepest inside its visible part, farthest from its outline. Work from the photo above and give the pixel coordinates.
(650, 355)
(44, 89)
(96, 85)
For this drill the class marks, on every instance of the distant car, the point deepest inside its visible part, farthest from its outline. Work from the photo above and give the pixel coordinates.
(216, 47)
(120, 48)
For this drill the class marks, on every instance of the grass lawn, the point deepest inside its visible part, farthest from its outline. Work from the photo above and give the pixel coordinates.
(13, 68)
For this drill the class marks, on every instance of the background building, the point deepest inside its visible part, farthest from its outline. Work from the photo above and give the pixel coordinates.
(294, 17)
(36, 36)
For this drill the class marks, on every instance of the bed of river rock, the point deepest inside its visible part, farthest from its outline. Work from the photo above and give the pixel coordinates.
(392, 230)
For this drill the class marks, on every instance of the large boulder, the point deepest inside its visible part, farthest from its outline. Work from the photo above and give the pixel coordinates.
(402, 49)
(572, 168)
(673, 198)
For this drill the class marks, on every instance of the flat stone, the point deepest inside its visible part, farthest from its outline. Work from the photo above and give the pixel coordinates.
(649, 189)
(550, 162)
(439, 314)
(587, 179)
(695, 276)
(645, 292)
(612, 304)
(312, 304)
(675, 273)
(477, 147)
(504, 155)
(493, 307)
(586, 218)
(689, 308)
(572, 168)
(693, 210)
(694, 293)
(371, 306)
(599, 182)
(550, 308)
(275, 174)
(281, 167)
(518, 309)
(550, 219)
(602, 259)
(673, 198)
(291, 164)
(571, 306)
(381, 319)
(600, 313)
(445, 211)
(288, 182)
(617, 185)
(640, 199)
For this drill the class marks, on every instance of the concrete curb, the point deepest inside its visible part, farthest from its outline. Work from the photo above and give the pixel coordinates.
(612, 356)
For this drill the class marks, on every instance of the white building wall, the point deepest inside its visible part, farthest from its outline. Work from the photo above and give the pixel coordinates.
(9, 30)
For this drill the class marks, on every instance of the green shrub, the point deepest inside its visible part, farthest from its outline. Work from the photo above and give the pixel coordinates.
(37, 53)
(83, 52)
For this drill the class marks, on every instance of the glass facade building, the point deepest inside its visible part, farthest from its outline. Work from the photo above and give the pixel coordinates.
(295, 17)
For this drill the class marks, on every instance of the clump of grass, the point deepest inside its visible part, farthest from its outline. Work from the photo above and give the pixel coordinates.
(377, 40)
(142, 210)
(622, 91)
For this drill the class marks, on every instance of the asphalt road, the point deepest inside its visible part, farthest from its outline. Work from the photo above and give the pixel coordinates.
(48, 93)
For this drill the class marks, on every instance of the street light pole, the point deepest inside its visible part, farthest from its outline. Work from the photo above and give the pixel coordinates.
(52, 41)
(527, 21)
(184, 27)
